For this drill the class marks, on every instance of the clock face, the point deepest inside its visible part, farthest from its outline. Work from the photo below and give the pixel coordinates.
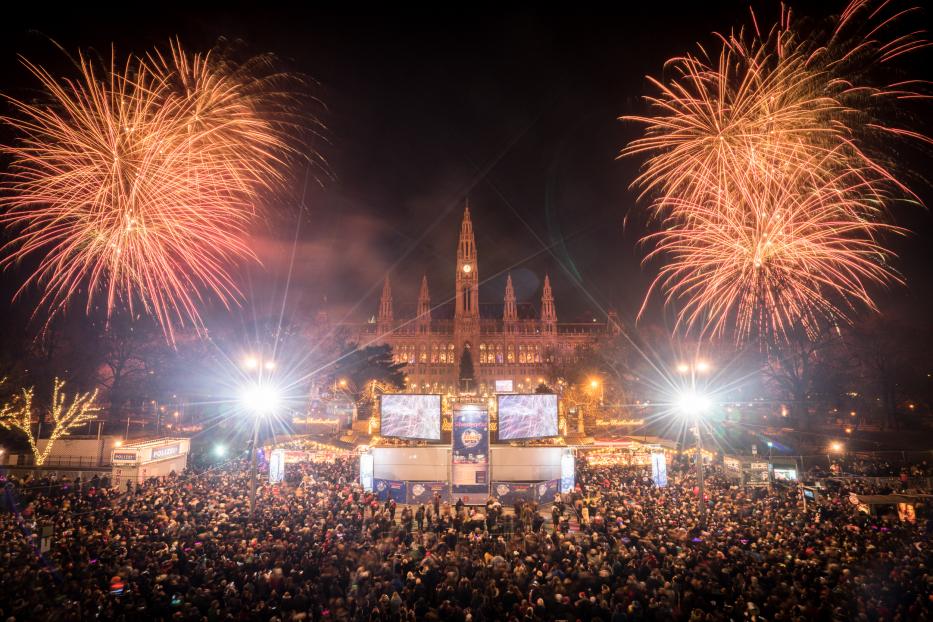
(467, 268)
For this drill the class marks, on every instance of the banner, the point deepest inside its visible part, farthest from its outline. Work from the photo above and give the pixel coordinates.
(423, 492)
(568, 470)
(386, 489)
(509, 492)
(366, 471)
(276, 466)
(659, 469)
(547, 490)
(470, 455)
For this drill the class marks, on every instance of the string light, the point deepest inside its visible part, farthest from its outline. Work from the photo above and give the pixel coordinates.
(18, 415)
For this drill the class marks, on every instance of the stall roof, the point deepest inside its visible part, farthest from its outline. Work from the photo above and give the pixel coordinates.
(151, 442)
(626, 441)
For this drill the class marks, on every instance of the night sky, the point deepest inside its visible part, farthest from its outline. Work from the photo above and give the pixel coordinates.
(518, 111)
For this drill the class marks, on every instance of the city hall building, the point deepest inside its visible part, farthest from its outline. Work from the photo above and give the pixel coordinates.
(510, 342)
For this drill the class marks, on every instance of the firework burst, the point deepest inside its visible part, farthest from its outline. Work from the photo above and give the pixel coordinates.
(771, 205)
(137, 184)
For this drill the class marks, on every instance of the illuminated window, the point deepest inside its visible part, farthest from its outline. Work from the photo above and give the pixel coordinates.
(423, 356)
(499, 353)
(433, 352)
(510, 354)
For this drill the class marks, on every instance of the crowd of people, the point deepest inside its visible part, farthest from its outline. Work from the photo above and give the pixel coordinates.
(319, 548)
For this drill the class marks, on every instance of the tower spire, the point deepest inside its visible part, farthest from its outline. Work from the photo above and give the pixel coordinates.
(424, 306)
(548, 312)
(467, 279)
(385, 308)
(509, 310)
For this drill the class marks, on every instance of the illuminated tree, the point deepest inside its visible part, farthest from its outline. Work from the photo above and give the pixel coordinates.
(17, 414)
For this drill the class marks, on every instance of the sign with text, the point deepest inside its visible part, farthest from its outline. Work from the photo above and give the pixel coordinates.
(470, 455)
(166, 452)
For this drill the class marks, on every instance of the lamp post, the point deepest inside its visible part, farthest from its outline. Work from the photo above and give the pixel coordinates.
(260, 399)
(693, 405)
(837, 448)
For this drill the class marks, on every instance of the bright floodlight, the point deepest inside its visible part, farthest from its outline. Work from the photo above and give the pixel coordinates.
(251, 362)
(692, 404)
(702, 367)
(683, 368)
(260, 399)
(220, 451)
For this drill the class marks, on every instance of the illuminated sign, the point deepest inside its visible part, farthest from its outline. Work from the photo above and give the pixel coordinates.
(124, 457)
(605, 423)
(504, 386)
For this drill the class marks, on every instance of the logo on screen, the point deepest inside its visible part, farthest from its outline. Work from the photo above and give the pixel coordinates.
(417, 490)
(542, 489)
(502, 490)
(381, 486)
(470, 438)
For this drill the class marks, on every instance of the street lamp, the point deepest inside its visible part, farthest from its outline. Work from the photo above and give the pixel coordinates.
(260, 399)
(694, 405)
(837, 448)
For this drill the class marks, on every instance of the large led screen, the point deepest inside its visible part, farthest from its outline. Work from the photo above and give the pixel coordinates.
(527, 416)
(411, 416)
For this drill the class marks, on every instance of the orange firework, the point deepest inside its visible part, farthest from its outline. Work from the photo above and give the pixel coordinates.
(770, 204)
(138, 183)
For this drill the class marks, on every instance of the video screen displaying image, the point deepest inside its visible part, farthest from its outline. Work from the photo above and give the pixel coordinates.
(527, 416)
(411, 416)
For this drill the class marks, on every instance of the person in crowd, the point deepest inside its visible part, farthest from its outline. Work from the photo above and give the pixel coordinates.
(185, 549)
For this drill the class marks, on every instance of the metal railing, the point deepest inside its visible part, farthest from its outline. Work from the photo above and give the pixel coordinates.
(63, 461)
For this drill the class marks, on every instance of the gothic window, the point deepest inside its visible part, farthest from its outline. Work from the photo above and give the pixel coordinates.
(499, 353)
(521, 353)
(423, 356)
(482, 353)
(510, 354)
(450, 354)
(433, 352)
(411, 354)
(443, 357)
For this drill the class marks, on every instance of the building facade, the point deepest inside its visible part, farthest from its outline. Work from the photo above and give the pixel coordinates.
(508, 341)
